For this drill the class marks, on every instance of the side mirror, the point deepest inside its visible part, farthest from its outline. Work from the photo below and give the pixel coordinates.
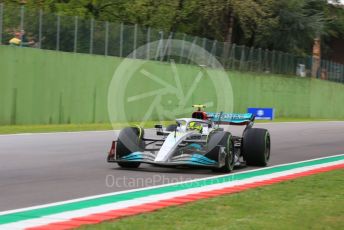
(158, 126)
(159, 130)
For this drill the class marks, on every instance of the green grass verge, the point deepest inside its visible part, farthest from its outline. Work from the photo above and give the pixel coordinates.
(314, 202)
(12, 129)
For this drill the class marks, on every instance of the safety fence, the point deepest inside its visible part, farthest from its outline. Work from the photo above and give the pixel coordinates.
(74, 34)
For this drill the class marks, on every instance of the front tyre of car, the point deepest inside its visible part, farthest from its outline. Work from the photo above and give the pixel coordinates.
(129, 164)
(228, 143)
(130, 140)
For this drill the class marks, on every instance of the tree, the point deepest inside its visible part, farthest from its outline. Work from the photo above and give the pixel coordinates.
(286, 25)
(299, 22)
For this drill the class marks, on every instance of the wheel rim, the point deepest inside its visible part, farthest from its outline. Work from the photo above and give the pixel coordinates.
(267, 148)
(230, 153)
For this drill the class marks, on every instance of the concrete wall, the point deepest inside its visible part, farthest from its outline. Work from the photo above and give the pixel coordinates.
(42, 87)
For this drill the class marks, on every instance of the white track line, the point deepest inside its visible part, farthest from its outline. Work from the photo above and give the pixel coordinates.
(65, 216)
(152, 187)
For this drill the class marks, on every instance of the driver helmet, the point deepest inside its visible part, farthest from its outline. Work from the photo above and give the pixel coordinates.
(195, 126)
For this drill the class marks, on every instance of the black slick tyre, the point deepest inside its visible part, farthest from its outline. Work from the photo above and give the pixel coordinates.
(256, 147)
(129, 141)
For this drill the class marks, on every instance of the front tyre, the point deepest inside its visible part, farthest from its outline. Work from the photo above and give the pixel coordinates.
(130, 140)
(256, 147)
(129, 164)
(228, 143)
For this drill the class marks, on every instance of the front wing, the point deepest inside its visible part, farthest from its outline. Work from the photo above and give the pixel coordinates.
(190, 160)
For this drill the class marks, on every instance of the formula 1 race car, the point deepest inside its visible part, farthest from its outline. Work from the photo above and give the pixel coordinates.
(194, 142)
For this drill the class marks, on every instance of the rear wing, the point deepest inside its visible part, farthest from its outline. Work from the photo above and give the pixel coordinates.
(231, 118)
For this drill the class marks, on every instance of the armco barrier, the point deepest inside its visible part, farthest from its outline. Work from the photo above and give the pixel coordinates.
(42, 87)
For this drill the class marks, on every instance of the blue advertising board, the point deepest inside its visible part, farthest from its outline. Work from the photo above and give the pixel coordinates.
(262, 113)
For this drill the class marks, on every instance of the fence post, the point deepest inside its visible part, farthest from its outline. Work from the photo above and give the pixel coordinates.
(213, 48)
(242, 58)
(273, 61)
(58, 32)
(160, 45)
(1, 20)
(335, 71)
(182, 50)
(106, 38)
(260, 60)
(192, 48)
(232, 56)
(22, 9)
(148, 43)
(204, 42)
(289, 63)
(40, 28)
(251, 60)
(135, 41)
(75, 34)
(293, 63)
(280, 56)
(121, 41)
(169, 46)
(331, 70)
(91, 35)
(283, 61)
(327, 70)
(225, 54)
(265, 59)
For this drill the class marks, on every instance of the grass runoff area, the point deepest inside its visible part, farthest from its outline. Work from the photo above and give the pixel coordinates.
(313, 202)
(13, 129)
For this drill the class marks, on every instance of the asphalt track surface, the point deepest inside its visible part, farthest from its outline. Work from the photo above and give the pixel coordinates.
(37, 169)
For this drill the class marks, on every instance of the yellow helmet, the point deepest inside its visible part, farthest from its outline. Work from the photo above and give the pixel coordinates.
(195, 126)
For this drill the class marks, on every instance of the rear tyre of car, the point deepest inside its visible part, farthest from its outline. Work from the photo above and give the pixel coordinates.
(256, 147)
(171, 128)
(130, 140)
(227, 142)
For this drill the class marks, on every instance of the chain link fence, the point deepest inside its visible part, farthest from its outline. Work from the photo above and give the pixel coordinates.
(73, 34)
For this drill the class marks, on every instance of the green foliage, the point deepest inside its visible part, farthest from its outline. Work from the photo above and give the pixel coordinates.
(299, 22)
(286, 25)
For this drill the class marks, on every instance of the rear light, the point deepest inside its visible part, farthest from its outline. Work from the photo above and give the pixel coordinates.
(112, 152)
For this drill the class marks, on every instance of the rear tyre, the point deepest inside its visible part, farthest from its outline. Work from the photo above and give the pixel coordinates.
(256, 147)
(130, 140)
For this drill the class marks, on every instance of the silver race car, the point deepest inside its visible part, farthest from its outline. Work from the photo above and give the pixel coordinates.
(198, 141)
